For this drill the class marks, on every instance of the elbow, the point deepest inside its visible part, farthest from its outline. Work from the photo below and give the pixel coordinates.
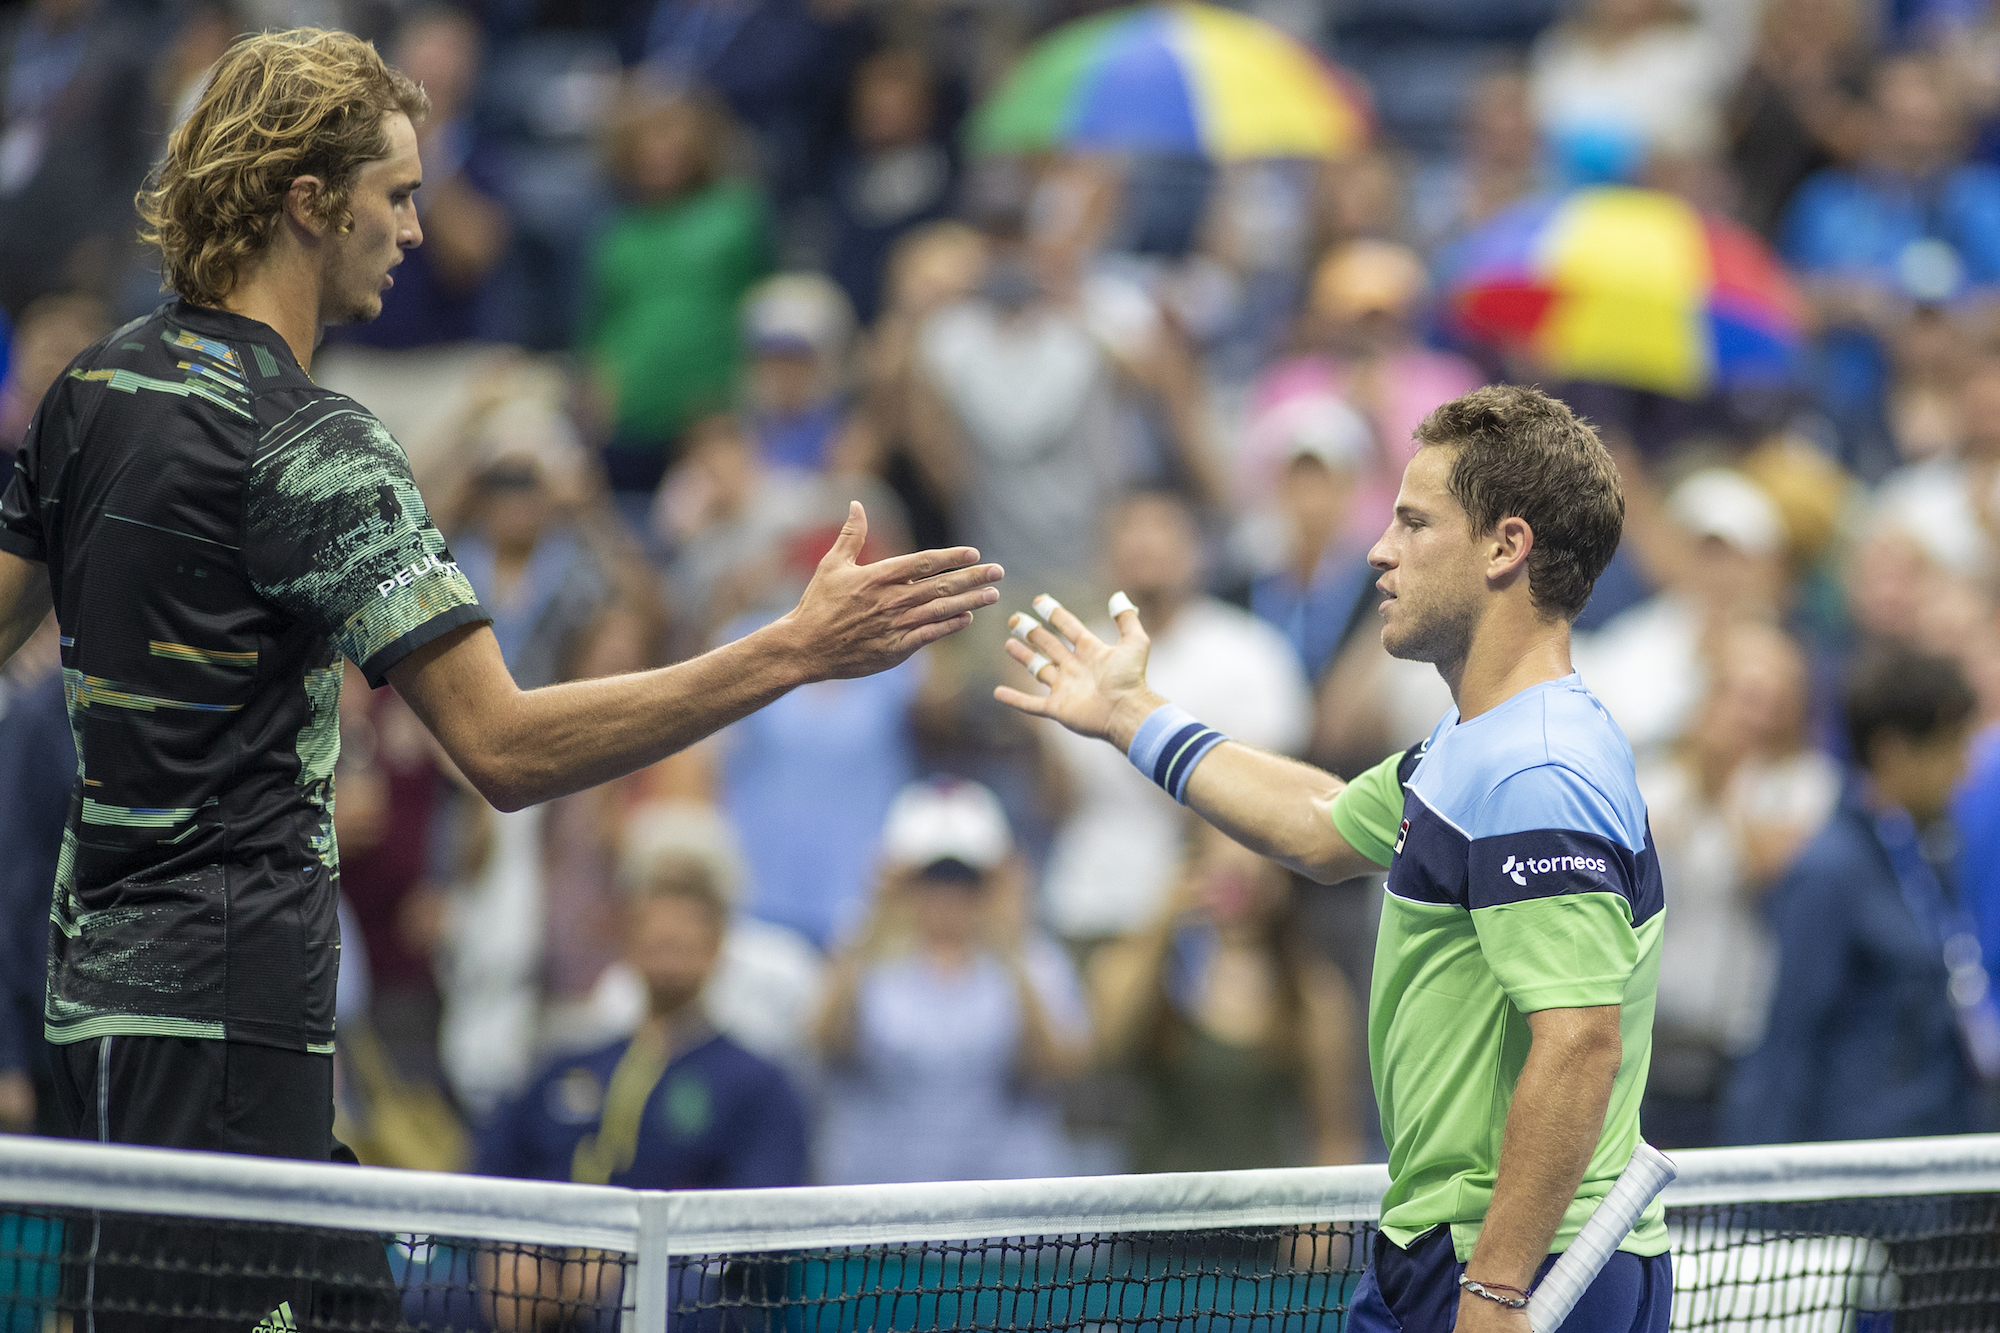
(503, 786)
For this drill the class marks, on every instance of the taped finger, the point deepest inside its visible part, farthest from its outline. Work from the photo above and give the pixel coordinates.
(1120, 604)
(1036, 665)
(1021, 626)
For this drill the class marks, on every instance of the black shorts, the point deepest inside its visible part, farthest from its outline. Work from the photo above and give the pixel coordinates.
(125, 1273)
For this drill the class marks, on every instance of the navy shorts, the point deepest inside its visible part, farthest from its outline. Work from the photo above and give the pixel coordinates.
(1416, 1291)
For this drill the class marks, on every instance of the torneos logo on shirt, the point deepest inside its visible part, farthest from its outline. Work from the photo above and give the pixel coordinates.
(1518, 871)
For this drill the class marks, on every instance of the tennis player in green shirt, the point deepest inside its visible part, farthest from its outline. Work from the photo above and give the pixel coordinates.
(1511, 1014)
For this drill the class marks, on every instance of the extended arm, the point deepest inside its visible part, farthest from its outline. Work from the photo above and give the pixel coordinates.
(24, 601)
(1553, 1127)
(519, 747)
(1275, 806)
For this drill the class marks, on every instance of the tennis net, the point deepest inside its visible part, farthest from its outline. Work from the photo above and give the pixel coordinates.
(1846, 1238)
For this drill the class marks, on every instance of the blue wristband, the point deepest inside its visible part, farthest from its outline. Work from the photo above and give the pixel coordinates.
(1167, 746)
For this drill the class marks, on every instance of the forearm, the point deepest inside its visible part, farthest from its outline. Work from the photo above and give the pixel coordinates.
(530, 746)
(1552, 1129)
(1126, 988)
(1043, 1055)
(1277, 807)
(834, 1029)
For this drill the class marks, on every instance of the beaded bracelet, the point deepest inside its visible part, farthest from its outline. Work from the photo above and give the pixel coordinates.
(1490, 1291)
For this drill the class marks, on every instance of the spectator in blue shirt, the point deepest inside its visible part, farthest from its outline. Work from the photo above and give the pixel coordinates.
(1865, 1040)
(37, 769)
(677, 1105)
(1912, 223)
(1975, 811)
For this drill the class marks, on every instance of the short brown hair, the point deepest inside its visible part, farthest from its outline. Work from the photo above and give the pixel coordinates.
(1522, 454)
(278, 106)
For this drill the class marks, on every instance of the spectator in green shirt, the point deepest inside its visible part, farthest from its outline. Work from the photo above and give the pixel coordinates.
(666, 278)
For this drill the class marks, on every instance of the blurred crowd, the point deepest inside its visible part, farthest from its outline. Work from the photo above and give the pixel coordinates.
(698, 272)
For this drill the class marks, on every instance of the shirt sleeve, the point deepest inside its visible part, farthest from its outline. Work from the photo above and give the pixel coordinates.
(1369, 810)
(1556, 896)
(336, 535)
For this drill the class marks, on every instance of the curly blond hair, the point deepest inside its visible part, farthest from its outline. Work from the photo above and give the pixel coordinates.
(278, 105)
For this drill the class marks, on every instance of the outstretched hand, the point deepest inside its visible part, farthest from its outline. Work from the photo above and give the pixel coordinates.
(1096, 689)
(859, 619)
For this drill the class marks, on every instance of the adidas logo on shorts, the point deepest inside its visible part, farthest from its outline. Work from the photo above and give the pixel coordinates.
(278, 1321)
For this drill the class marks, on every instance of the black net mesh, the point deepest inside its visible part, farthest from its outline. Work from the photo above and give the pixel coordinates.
(1256, 1280)
(1920, 1264)
(102, 1272)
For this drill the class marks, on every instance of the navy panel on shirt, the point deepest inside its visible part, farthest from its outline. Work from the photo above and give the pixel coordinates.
(1548, 863)
(1430, 860)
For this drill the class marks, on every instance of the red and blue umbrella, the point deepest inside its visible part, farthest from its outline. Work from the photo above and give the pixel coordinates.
(1628, 286)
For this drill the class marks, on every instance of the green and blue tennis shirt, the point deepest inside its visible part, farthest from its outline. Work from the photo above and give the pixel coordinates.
(1522, 877)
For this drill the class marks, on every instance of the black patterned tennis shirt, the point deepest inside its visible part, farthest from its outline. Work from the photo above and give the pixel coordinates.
(219, 532)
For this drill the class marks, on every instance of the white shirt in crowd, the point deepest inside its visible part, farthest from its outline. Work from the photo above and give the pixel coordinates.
(1645, 666)
(1113, 860)
(933, 1091)
(1035, 400)
(1717, 960)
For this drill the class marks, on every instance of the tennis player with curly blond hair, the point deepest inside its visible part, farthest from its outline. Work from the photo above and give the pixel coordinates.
(215, 532)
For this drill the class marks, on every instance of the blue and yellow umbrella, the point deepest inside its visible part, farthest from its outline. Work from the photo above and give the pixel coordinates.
(1182, 79)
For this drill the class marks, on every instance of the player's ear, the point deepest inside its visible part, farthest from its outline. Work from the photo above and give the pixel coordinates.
(303, 203)
(1508, 548)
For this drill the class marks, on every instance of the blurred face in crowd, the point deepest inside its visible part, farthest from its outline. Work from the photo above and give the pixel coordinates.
(785, 379)
(1757, 693)
(666, 154)
(383, 224)
(949, 904)
(1919, 773)
(1916, 124)
(892, 101)
(1155, 550)
(673, 940)
(1433, 570)
(1728, 579)
(441, 51)
(1232, 884)
(1500, 124)
(512, 499)
(1315, 500)
(1887, 583)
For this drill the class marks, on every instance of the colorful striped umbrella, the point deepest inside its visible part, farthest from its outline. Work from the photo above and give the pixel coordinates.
(1631, 287)
(1174, 78)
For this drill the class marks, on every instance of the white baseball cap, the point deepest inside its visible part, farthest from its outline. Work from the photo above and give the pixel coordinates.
(1722, 503)
(946, 819)
(1314, 425)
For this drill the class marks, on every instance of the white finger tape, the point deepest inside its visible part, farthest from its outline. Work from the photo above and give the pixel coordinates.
(1021, 626)
(1120, 604)
(1046, 606)
(1035, 665)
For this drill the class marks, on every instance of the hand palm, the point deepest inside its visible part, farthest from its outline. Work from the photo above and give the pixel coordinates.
(1087, 678)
